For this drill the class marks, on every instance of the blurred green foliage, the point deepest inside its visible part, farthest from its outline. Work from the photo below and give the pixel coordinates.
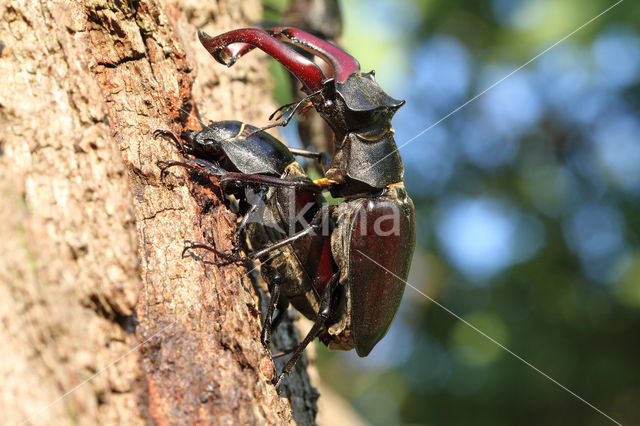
(528, 212)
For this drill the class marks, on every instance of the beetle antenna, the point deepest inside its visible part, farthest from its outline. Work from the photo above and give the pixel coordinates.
(292, 108)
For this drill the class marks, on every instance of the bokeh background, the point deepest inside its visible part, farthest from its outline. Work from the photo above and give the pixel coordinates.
(528, 211)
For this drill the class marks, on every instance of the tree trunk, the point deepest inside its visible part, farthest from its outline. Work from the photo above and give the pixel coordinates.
(102, 320)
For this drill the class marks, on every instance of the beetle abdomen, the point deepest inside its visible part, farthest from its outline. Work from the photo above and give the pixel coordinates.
(376, 250)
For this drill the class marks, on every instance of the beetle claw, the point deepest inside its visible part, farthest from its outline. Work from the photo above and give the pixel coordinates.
(172, 138)
(230, 256)
(278, 380)
(169, 136)
(188, 245)
(164, 166)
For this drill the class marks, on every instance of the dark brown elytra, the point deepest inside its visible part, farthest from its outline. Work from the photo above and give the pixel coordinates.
(343, 266)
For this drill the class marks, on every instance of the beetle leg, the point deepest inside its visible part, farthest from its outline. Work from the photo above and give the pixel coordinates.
(283, 353)
(283, 305)
(324, 313)
(322, 157)
(274, 292)
(212, 170)
(254, 206)
(195, 164)
(300, 185)
(230, 256)
(228, 47)
(169, 136)
(314, 226)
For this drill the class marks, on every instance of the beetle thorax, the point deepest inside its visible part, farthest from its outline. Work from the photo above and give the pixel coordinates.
(360, 113)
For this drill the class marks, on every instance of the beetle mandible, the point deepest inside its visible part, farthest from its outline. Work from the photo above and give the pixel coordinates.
(340, 279)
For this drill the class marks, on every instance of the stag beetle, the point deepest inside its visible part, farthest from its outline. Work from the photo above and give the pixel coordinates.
(335, 268)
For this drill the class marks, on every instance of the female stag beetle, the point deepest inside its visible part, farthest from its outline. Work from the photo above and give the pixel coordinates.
(342, 266)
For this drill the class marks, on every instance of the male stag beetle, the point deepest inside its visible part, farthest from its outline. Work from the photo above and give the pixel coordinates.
(342, 266)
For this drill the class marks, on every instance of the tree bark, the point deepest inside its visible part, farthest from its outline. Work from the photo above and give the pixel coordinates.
(102, 320)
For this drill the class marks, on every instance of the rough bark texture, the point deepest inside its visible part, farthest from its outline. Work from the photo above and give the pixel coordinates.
(91, 237)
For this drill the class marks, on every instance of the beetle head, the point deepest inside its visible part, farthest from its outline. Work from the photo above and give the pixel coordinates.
(357, 104)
